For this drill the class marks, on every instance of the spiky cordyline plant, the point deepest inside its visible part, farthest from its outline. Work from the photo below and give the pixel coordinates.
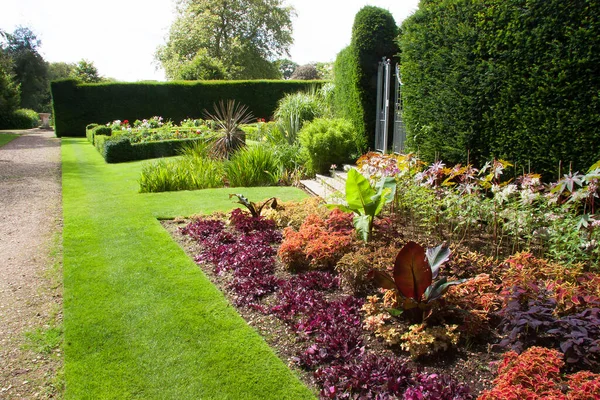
(228, 117)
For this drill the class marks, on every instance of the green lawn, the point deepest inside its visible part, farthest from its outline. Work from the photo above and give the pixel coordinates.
(7, 137)
(141, 320)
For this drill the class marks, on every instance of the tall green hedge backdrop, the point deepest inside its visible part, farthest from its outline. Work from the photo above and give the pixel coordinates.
(518, 80)
(76, 105)
(355, 69)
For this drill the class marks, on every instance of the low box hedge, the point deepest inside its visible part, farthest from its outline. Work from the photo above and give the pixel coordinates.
(117, 149)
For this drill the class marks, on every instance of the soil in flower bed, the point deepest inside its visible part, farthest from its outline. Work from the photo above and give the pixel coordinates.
(473, 364)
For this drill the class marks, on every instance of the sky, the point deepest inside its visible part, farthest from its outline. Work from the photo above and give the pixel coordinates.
(121, 36)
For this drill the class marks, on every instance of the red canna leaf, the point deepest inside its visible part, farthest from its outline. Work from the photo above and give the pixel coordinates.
(412, 272)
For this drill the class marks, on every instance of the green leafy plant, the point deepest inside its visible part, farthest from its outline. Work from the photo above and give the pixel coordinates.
(365, 201)
(254, 208)
(413, 278)
(228, 116)
(328, 141)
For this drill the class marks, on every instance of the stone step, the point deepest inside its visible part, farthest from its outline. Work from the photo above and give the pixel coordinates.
(313, 187)
(331, 189)
(321, 188)
(334, 184)
(341, 176)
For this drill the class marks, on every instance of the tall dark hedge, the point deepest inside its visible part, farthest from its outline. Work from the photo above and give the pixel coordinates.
(355, 70)
(347, 99)
(518, 80)
(75, 105)
(439, 78)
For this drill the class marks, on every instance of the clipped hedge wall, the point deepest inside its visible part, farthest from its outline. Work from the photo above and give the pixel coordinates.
(355, 69)
(516, 80)
(347, 103)
(117, 149)
(76, 104)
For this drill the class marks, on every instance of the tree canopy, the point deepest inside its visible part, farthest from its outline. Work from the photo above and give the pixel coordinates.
(86, 71)
(60, 70)
(286, 67)
(10, 96)
(242, 36)
(29, 68)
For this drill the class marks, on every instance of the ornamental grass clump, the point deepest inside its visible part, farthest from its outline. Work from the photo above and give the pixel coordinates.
(193, 170)
(253, 166)
(293, 110)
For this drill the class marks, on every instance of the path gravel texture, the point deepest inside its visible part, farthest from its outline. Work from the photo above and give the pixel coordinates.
(30, 278)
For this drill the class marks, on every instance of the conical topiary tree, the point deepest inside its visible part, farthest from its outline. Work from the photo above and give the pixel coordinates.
(374, 36)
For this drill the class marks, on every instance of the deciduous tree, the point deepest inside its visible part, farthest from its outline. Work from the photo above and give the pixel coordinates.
(244, 35)
(60, 70)
(86, 72)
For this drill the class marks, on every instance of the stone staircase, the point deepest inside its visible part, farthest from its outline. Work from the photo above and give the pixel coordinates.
(332, 188)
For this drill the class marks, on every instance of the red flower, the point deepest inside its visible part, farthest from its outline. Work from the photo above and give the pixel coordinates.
(125, 122)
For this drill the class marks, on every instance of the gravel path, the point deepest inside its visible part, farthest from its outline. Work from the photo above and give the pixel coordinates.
(30, 276)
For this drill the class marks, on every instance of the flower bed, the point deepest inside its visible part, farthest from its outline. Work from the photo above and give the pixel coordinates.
(120, 141)
(497, 209)
(327, 323)
(350, 341)
(156, 129)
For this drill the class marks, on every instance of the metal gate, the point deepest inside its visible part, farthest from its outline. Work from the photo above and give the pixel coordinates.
(384, 77)
(399, 138)
(383, 105)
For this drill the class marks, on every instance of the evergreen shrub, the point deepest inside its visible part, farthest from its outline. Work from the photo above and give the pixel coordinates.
(20, 119)
(119, 148)
(513, 80)
(355, 70)
(327, 142)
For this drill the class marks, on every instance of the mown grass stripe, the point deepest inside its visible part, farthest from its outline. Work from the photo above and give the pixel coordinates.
(7, 137)
(141, 319)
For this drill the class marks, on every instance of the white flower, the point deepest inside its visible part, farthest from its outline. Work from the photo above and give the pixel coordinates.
(505, 193)
(528, 196)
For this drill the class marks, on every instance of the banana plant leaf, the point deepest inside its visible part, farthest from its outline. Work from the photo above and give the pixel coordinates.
(412, 273)
(436, 256)
(438, 289)
(358, 192)
(362, 224)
